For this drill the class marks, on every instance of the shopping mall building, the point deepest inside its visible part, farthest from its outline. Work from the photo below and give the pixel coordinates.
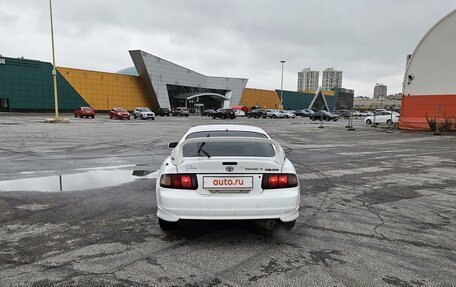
(27, 85)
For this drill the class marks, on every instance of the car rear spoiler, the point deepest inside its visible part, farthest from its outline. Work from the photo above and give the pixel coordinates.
(177, 156)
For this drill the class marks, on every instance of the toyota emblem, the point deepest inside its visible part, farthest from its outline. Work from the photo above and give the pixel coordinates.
(229, 168)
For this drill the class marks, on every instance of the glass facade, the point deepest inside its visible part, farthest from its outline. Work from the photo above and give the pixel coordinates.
(182, 96)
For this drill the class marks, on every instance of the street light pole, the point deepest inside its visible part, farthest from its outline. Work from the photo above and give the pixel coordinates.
(281, 86)
(54, 71)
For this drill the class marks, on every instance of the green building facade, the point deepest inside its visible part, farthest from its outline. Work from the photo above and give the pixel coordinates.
(27, 85)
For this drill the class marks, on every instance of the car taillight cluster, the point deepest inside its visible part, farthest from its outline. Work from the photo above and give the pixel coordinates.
(279, 180)
(179, 181)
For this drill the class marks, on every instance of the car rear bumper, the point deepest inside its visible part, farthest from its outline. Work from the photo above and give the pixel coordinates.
(282, 204)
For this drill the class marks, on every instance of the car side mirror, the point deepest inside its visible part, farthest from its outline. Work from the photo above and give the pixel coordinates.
(172, 144)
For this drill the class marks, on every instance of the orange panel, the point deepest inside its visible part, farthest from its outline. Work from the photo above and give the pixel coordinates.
(104, 91)
(415, 109)
(268, 99)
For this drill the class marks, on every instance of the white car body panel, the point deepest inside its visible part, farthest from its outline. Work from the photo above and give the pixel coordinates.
(383, 118)
(239, 113)
(227, 203)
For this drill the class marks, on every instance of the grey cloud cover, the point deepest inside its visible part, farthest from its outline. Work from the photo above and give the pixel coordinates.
(367, 39)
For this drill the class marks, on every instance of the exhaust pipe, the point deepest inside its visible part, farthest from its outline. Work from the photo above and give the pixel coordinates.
(267, 224)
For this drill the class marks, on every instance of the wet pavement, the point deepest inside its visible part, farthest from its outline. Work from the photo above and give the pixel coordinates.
(377, 209)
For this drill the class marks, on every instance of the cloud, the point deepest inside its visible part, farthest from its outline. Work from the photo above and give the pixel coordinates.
(368, 40)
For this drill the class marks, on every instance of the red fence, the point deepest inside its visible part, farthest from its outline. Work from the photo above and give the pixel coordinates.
(419, 113)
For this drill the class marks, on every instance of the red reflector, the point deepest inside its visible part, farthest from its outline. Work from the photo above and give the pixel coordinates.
(186, 181)
(283, 180)
(273, 181)
(176, 181)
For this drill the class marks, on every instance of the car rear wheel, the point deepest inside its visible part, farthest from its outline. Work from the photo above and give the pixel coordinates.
(369, 122)
(93, 117)
(389, 122)
(213, 117)
(222, 117)
(167, 225)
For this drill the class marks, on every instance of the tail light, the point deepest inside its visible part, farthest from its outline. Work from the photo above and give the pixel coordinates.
(279, 180)
(179, 181)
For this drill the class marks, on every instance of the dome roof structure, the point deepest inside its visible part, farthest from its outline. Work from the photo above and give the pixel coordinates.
(429, 86)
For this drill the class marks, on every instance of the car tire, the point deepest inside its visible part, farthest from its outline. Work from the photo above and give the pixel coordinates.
(328, 119)
(213, 117)
(274, 116)
(289, 225)
(167, 225)
(75, 115)
(134, 117)
(93, 117)
(186, 116)
(369, 122)
(153, 118)
(222, 117)
(389, 122)
(81, 116)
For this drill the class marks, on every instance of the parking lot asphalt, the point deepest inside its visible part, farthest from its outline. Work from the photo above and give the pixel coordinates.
(378, 208)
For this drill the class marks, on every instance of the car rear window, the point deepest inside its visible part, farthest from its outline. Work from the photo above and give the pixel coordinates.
(225, 134)
(203, 149)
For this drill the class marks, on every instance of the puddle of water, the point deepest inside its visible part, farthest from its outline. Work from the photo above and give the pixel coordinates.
(78, 181)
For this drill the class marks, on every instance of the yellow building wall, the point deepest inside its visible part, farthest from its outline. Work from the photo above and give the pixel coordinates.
(325, 93)
(103, 91)
(267, 99)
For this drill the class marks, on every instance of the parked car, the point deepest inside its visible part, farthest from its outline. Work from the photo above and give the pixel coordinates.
(355, 113)
(87, 112)
(162, 112)
(143, 113)
(207, 113)
(288, 114)
(237, 173)
(256, 113)
(119, 113)
(273, 114)
(323, 115)
(382, 118)
(239, 113)
(342, 113)
(181, 112)
(224, 113)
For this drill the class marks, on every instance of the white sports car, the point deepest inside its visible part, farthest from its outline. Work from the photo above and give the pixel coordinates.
(227, 172)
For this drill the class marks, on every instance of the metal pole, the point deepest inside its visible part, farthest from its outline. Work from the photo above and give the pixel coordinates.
(281, 86)
(54, 71)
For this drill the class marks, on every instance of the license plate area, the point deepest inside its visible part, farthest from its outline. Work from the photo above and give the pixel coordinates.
(228, 184)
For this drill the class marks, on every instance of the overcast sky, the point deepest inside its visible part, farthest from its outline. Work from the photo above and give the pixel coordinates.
(368, 40)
